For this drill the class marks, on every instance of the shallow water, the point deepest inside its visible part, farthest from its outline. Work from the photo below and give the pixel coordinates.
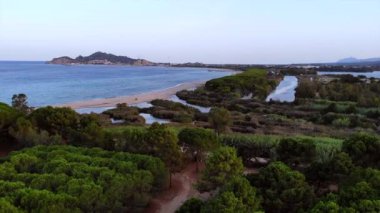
(149, 119)
(49, 84)
(200, 108)
(93, 110)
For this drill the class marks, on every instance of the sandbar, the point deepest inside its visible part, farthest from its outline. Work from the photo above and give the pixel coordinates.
(133, 99)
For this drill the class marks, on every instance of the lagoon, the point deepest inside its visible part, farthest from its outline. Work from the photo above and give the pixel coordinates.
(285, 91)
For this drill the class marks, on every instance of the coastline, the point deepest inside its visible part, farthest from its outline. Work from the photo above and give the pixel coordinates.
(132, 99)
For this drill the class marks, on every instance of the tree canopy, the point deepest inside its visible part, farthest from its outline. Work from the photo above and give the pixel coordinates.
(220, 119)
(20, 102)
(364, 149)
(221, 166)
(237, 195)
(69, 179)
(198, 141)
(283, 189)
(294, 152)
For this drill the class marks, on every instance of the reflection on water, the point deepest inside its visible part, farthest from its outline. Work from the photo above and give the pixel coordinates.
(142, 105)
(102, 109)
(247, 97)
(117, 121)
(93, 110)
(285, 91)
(200, 108)
(149, 119)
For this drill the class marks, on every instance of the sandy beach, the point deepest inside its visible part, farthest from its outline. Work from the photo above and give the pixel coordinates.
(132, 99)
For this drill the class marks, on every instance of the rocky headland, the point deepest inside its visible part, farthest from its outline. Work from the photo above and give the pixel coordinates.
(102, 59)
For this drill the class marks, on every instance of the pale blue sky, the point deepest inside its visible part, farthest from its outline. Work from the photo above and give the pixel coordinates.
(209, 31)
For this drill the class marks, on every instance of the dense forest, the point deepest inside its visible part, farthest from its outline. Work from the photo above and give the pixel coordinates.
(318, 154)
(69, 179)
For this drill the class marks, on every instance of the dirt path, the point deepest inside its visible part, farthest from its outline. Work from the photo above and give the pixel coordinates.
(182, 189)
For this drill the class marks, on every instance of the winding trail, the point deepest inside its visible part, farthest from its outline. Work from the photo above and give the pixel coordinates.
(182, 189)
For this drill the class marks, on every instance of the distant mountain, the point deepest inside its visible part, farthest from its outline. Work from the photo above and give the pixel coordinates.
(352, 60)
(101, 58)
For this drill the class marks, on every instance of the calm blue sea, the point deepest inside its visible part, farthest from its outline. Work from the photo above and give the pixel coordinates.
(48, 84)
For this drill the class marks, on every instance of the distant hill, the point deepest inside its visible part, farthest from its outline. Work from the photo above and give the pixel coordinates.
(101, 58)
(352, 60)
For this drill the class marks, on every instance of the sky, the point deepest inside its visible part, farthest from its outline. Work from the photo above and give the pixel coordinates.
(178, 31)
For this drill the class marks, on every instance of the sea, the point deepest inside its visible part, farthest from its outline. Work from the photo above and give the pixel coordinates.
(50, 84)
